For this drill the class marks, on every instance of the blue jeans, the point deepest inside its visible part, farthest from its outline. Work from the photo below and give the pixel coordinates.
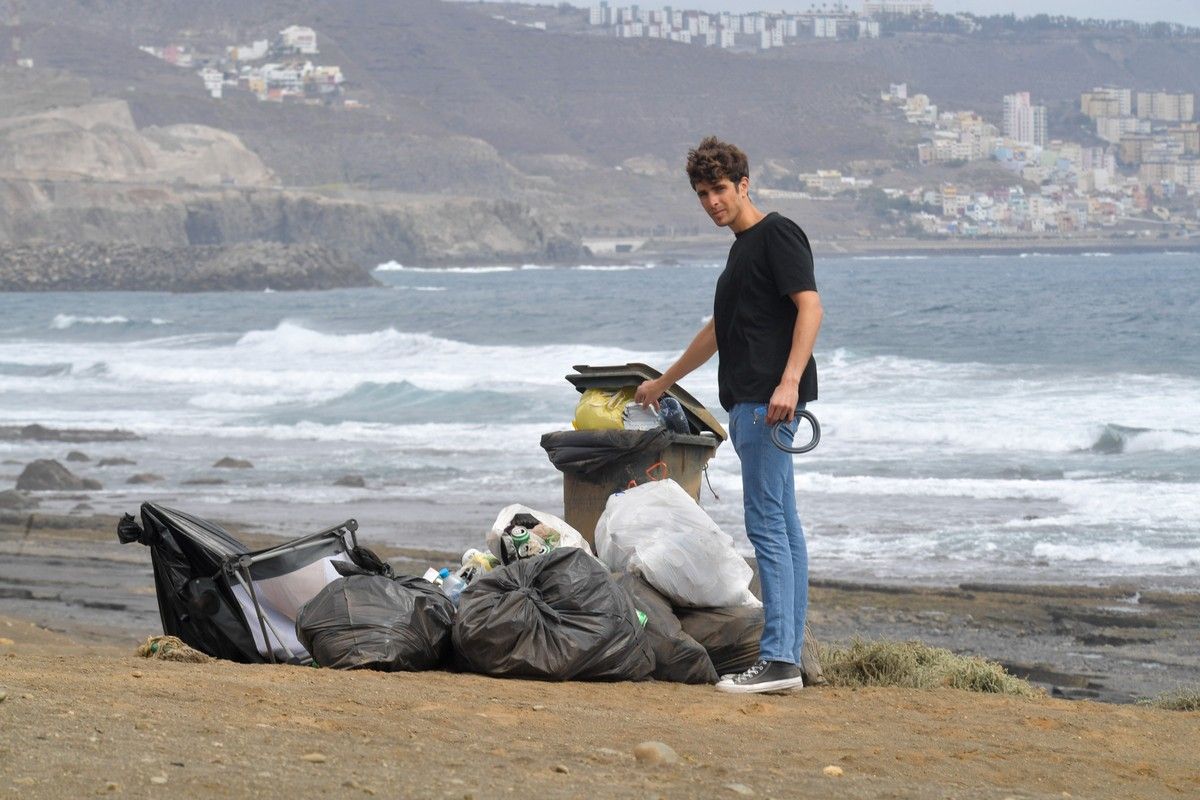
(773, 526)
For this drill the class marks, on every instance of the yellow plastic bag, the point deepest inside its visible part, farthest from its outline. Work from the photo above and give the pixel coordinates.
(599, 410)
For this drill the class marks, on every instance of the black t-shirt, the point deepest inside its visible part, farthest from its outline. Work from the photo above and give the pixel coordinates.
(755, 317)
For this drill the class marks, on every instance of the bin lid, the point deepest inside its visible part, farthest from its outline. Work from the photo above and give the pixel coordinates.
(614, 377)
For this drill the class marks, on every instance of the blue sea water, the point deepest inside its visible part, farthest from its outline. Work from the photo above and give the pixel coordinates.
(985, 418)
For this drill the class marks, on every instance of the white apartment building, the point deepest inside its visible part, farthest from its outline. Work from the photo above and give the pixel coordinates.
(1024, 122)
(868, 29)
(250, 52)
(825, 28)
(299, 39)
(214, 81)
(1112, 129)
(908, 7)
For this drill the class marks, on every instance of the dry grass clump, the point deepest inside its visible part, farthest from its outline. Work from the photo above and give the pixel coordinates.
(914, 665)
(1178, 700)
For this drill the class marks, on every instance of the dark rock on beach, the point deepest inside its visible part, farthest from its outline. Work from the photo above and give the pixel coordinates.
(204, 482)
(75, 455)
(40, 433)
(144, 477)
(13, 500)
(116, 462)
(129, 267)
(353, 481)
(233, 463)
(47, 475)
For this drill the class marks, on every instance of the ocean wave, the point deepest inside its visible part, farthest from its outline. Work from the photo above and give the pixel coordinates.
(62, 322)
(1128, 553)
(20, 370)
(615, 267)
(1100, 503)
(1113, 439)
(392, 266)
(889, 258)
(402, 402)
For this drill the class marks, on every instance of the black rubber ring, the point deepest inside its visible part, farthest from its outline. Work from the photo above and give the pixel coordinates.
(816, 434)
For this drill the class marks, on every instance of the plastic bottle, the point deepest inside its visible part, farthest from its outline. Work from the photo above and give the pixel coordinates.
(453, 586)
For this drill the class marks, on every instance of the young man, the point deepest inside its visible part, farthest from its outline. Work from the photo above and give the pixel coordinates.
(766, 313)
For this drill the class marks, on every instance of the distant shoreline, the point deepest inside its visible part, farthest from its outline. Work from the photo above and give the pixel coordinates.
(884, 248)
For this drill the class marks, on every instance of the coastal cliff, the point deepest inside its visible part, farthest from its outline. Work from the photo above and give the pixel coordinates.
(90, 201)
(429, 231)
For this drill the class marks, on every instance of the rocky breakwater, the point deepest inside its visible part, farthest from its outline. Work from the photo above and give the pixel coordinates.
(250, 266)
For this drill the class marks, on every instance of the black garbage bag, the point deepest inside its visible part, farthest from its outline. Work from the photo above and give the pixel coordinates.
(556, 617)
(677, 656)
(371, 621)
(587, 452)
(731, 636)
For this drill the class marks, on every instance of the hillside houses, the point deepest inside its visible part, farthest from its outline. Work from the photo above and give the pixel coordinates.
(288, 73)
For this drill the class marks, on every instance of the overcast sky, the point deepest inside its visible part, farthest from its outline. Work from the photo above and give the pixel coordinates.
(1184, 11)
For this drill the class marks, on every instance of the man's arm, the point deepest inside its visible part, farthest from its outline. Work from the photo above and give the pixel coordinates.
(804, 335)
(702, 348)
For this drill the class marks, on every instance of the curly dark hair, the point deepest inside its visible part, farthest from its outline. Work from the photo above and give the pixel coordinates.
(713, 160)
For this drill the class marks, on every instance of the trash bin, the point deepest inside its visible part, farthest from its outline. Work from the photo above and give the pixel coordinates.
(595, 464)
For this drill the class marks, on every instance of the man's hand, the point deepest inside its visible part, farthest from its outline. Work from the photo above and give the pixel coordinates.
(783, 403)
(649, 392)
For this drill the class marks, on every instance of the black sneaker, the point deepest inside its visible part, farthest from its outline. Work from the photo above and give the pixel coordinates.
(764, 676)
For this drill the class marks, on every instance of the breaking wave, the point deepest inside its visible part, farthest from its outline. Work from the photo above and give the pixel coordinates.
(1116, 439)
(62, 322)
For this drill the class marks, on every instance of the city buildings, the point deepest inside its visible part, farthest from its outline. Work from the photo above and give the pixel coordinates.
(761, 30)
(1143, 164)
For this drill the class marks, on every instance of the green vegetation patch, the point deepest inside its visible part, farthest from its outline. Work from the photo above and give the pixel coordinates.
(914, 665)
(1178, 700)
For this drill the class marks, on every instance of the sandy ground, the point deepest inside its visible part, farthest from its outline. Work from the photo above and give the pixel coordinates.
(83, 716)
(1114, 643)
(86, 720)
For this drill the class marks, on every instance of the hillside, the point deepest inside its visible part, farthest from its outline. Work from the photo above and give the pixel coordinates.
(588, 129)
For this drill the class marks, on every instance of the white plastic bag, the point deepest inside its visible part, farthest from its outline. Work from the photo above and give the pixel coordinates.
(568, 536)
(658, 531)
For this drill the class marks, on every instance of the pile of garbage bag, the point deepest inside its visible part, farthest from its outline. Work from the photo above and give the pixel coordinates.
(558, 616)
(365, 621)
(656, 530)
(664, 599)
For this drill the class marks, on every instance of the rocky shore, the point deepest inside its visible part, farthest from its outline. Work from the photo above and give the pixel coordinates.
(198, 268)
